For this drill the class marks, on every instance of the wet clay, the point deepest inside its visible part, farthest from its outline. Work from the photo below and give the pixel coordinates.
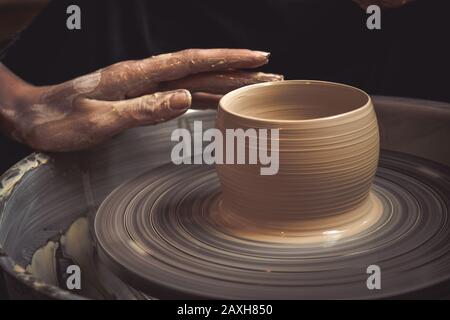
(158, 233)
(328, 155)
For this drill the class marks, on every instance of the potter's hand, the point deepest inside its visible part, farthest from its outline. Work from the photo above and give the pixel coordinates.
(87, 110)
(382, 3)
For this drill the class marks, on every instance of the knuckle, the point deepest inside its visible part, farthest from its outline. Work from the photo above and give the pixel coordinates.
(145, 107)
(187, 52)
(118, 65)
(120, 72)
(189, 57)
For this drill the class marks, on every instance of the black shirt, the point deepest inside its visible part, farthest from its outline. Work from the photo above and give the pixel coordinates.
(308, 39)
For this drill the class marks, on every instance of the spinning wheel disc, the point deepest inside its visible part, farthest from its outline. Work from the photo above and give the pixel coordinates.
(157, 234)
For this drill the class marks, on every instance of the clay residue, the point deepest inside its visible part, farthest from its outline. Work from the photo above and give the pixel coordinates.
(87, 83)
(77, 247)
(16, 173)
(43, 263)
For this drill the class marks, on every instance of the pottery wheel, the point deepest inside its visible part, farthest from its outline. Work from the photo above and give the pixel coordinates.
(155, 233)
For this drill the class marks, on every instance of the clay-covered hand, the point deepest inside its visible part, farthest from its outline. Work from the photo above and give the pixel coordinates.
(87, 110)
(382, 3)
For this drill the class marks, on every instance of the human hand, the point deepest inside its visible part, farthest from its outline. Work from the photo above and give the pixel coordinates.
(82, 112)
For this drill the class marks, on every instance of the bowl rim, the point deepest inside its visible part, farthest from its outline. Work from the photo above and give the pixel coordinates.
(233, 95)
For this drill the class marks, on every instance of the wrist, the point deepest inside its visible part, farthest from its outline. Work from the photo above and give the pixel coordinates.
(15, 96)
(13, 90)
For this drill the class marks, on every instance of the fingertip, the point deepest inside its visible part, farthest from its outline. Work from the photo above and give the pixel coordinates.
(260, 57)
(278, 77)
(263, 54)
(267, 77)
(270, 76)
(180, 99)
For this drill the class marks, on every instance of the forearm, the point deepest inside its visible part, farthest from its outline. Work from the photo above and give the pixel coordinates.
(14, 93)
(12, 87)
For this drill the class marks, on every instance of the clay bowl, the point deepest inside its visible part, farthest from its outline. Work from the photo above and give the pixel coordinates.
(328, 154)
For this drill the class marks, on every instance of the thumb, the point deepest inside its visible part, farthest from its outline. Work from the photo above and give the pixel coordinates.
(154, 108)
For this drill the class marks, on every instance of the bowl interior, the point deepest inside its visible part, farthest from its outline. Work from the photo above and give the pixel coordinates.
(293, 100)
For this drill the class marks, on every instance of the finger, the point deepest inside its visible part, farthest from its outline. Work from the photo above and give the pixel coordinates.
(131, 77)
(149, 109)
(203, 100)
(94, 121)
(220, 82)
(180, 64)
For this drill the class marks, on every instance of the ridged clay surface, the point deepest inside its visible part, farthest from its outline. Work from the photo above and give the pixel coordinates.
(328, 155)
